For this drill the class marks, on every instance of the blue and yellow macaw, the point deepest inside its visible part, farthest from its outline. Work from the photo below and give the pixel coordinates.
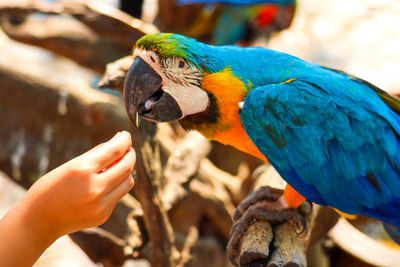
(239, 21)
(333, 137)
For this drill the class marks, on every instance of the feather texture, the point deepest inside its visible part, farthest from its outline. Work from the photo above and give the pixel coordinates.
(334, 138)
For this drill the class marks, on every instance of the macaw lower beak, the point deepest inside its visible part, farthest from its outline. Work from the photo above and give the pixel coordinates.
(144, 97)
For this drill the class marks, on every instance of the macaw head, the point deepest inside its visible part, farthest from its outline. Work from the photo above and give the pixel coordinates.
(164, 82)
(174, 77)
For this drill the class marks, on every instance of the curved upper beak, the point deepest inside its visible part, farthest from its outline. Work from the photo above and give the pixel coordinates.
(144, 97)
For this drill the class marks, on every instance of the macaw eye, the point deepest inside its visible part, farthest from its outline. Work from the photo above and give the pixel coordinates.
(181, 64)
(152, 59)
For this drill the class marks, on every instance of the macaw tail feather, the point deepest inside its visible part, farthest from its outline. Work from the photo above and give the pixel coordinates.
(393, 232)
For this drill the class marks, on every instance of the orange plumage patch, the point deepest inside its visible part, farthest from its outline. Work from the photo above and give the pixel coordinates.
(229, 91)
(292, 197)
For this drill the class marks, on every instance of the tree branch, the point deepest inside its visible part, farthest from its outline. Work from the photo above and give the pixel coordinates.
(101, 246)
(98, 35)
(115, 73)
(163, 250)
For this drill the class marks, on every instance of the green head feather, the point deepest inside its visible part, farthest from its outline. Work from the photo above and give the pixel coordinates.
(164, 44)
(174, 45)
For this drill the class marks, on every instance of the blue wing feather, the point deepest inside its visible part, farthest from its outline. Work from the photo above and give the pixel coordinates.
(333, 139)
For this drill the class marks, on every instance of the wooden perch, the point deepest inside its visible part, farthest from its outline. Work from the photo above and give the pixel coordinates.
(255, 244)
(272, 244)
(98, 35)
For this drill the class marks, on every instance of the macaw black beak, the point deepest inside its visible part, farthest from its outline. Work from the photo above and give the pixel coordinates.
(144, 98)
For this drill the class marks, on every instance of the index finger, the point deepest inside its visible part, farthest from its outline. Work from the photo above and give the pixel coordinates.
(111, 151)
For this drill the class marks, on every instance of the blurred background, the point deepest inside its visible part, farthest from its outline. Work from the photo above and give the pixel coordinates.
(53, 61)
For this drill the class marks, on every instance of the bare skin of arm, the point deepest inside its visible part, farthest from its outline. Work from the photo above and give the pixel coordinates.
(79, 194)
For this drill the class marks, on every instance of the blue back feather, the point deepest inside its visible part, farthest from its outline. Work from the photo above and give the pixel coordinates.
(342, 140)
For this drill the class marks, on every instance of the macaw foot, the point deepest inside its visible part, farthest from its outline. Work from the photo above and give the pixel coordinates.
(264, 204)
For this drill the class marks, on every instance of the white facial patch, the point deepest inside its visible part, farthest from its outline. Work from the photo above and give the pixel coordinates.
(179, 79)
(191, 99)
(183, 83)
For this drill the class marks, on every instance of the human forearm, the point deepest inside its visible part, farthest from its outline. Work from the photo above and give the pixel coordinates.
(22, 241)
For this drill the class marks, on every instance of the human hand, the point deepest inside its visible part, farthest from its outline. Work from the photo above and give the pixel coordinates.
(84, 191)
(79, 194)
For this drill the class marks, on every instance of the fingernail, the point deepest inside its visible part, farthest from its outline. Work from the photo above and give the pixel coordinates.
(132, 177)
(126, 133)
